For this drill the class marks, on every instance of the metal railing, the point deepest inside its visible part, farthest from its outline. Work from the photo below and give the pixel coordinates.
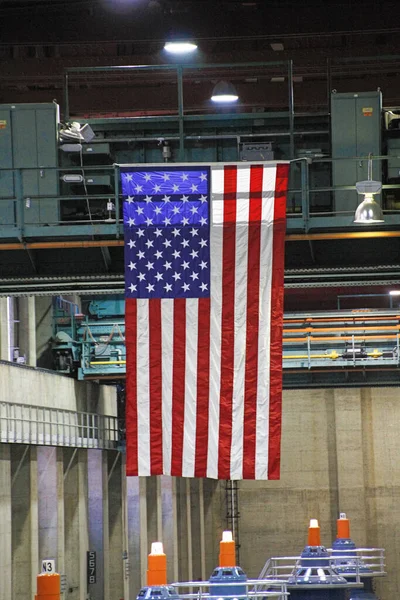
(274, 588)
(45, 426)
(304, 209)
(362, 562)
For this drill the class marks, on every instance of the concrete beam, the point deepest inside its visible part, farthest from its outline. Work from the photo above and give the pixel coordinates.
(5, 523)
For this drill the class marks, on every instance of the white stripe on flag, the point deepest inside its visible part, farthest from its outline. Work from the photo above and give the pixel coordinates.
(240, 307)
(167, 320)
(263, 399)
(216, 240)
(143, 394)
(189, 431)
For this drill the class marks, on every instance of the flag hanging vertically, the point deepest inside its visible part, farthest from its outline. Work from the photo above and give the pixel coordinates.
(204, 266)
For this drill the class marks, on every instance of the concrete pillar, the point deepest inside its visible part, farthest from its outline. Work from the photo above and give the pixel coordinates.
(21, 525)
(47, 503)
(96, 519)
(27, 329)
(350, 462)
(125, 532)
(4, 340)
(60, 511)
(71, 524)
(5, 523)
(169, 525)
(134, 541)
(83, 521)
(115, 513)
(106, 527)
(34, 516)
(189, 529)
(143, 529)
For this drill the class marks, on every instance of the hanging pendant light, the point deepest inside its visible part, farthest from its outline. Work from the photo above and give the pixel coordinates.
(224, 92)
(369, 211)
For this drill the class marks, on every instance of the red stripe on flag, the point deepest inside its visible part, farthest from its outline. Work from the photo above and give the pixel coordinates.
(278, 265)
(227, 322)
(178, 385)
(253, 296)
(155, 385)
(131, 386)
(203, 381)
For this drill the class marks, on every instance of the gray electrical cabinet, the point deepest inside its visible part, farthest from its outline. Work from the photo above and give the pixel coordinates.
(28, 141)
(355, 132)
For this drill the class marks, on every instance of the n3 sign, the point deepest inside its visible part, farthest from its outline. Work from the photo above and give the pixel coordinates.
(48, 566)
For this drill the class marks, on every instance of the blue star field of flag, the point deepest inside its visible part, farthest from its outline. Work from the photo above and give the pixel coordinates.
(167, 231)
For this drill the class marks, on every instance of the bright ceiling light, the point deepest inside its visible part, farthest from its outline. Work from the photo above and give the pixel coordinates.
(394, 292)
(369, 212)
(180, 47)
(224, 93)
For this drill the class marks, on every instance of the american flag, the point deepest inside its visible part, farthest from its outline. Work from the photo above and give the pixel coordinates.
(204, 260)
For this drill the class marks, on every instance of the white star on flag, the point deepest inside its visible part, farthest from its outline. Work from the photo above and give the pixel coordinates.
(133, 287)
(203, 177)
(131, 244)
(132, 265)
(129, 199)
(168, 287)
(142, 276)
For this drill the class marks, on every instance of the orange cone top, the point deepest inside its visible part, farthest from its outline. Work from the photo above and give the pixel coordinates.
(343, 527)
(227, 550)
(314, 534)
(157, 565)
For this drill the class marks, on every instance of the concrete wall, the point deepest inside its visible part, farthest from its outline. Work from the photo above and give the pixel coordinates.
(24, 385)
(340, 453)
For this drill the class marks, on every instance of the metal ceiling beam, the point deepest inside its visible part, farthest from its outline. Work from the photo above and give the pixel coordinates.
(290, 237)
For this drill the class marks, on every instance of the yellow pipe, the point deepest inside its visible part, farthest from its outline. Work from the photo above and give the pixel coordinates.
(332, 355)
(108, 362)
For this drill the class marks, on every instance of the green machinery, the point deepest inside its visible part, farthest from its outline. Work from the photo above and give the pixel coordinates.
(350, 344)
(51, 189)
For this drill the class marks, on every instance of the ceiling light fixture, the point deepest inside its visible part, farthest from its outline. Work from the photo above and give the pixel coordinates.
(180, 47)
(369, 212)
(277, 79)
(224, 93)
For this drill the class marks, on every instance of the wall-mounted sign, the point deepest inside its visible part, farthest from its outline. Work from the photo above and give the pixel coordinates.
(91, 567)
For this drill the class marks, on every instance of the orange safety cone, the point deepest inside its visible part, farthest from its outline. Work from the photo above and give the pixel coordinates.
(227, 550)
(48, 586)
(343, 527)
(314, 534)
(157, 565)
